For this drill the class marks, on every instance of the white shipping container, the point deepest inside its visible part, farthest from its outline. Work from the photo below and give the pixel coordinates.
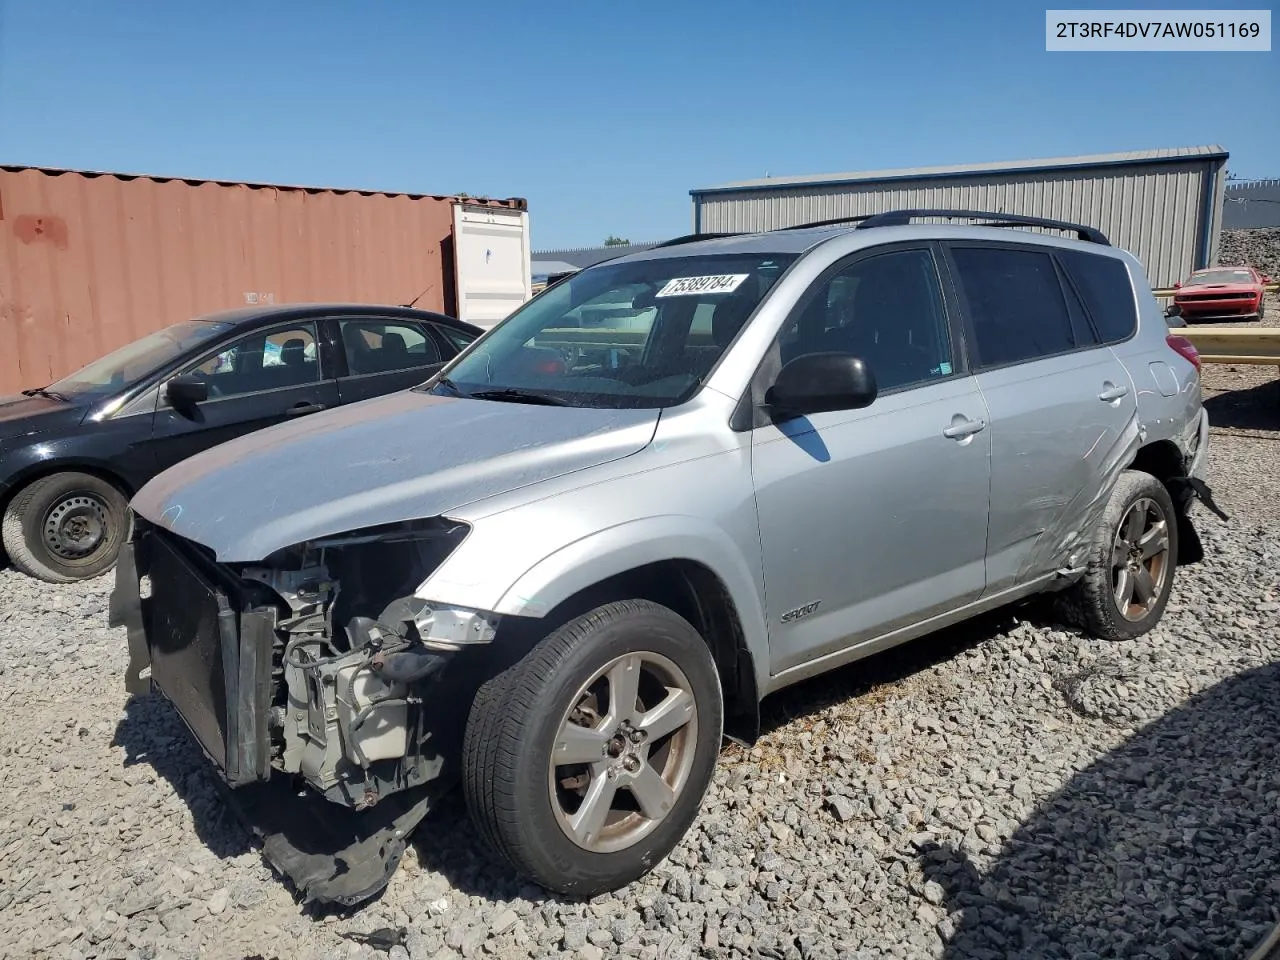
(492, 258)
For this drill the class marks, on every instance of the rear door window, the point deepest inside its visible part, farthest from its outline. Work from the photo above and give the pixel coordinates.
(1104, 285)
(1015, 304)
(381, 346)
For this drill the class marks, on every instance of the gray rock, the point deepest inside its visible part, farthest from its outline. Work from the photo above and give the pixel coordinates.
(575, 936)
(678, 886)
(601, 938)
(503, 922)
(472, 939)
(622, 930)
(842, 807)
(219, 900)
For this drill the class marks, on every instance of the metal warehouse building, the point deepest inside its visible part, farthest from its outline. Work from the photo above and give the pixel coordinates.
(1164, 206)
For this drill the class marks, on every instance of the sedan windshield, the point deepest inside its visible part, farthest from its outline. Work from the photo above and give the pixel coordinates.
(633, 334)
(1221, 276)
(134, 361)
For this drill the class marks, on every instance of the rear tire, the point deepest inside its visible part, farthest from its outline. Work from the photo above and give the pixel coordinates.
(632, 690)
(1131, 562)
(65, 527)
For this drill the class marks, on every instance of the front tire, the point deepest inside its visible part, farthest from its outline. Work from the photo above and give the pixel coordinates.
(1131, 564)
(65, 527)
(586, 762)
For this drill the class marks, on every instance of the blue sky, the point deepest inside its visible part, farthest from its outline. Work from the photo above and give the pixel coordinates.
(603, 115)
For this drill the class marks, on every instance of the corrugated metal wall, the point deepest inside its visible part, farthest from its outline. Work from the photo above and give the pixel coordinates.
(90, 262)
(1152, 210)
(1251, 205)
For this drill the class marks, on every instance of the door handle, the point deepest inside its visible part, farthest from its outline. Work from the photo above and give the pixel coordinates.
(1112, 393)
(962, 427)
(299, 409)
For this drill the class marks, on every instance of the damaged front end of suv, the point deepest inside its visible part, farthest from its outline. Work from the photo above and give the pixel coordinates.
(331, 700)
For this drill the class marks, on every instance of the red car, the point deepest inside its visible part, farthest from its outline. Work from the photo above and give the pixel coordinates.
(1220, 293)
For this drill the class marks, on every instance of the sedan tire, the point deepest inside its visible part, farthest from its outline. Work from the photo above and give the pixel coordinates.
(1131, 562)
(65, 527)
(586, 762)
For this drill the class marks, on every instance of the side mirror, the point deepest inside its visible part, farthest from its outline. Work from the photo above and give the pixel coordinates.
(186, 391)
(1177, 284)
(820, 382)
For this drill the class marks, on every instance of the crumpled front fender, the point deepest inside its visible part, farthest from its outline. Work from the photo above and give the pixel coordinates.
(487, 579)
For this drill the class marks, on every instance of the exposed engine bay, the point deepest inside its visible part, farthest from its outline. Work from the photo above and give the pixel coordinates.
(314, 674)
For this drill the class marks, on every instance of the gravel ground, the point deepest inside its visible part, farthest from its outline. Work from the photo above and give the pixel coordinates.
(1258, 248)
(1003, 789)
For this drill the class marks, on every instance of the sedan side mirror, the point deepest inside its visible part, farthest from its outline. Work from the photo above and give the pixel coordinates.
(186, 391)
(821, 382)
(1177, 284)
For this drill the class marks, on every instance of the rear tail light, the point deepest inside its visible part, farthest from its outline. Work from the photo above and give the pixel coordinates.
(1184, 348)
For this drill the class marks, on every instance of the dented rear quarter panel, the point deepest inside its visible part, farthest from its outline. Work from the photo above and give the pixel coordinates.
(1167, 385)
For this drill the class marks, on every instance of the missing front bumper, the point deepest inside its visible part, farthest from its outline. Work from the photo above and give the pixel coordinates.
(330, 854)
(193, 639)
(197, 642)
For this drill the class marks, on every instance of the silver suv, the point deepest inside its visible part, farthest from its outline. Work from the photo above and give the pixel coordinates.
(561, 570)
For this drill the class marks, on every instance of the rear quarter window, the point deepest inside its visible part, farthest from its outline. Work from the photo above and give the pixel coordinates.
(1104, 285)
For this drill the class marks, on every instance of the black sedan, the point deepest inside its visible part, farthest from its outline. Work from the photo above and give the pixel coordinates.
(73, 453)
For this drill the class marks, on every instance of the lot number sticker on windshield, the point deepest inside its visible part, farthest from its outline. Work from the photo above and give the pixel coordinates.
(688, 286)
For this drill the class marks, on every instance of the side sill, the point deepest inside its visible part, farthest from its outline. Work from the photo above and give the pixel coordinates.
(866, 648)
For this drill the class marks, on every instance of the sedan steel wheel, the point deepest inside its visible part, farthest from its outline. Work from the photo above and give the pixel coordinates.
(623, 752)
(76, 527)
(1140, 559)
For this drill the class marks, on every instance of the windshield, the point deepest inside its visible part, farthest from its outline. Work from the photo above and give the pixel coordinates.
(134, 361)
(638, 334)
(1221, 276)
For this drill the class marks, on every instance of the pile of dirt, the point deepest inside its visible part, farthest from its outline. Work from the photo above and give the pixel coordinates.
(1259, 248)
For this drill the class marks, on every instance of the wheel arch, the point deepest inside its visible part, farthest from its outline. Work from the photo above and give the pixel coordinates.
(47, 468)
(1163, 460)
(696, 593)
(669, 561)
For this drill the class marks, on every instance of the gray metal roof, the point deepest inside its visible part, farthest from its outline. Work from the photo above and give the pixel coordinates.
(1130, 157)
(582, 257)
(542, 268)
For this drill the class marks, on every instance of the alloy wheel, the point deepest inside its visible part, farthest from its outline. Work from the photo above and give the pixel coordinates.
(623, 752)
(1140, 559)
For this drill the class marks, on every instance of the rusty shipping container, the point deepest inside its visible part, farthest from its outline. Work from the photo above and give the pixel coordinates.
(91, 261)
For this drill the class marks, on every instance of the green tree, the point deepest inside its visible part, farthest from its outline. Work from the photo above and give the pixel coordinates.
(613, 241)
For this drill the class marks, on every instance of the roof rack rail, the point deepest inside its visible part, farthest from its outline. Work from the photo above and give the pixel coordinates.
(830, 223)
(692, 238)
(899, 218)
